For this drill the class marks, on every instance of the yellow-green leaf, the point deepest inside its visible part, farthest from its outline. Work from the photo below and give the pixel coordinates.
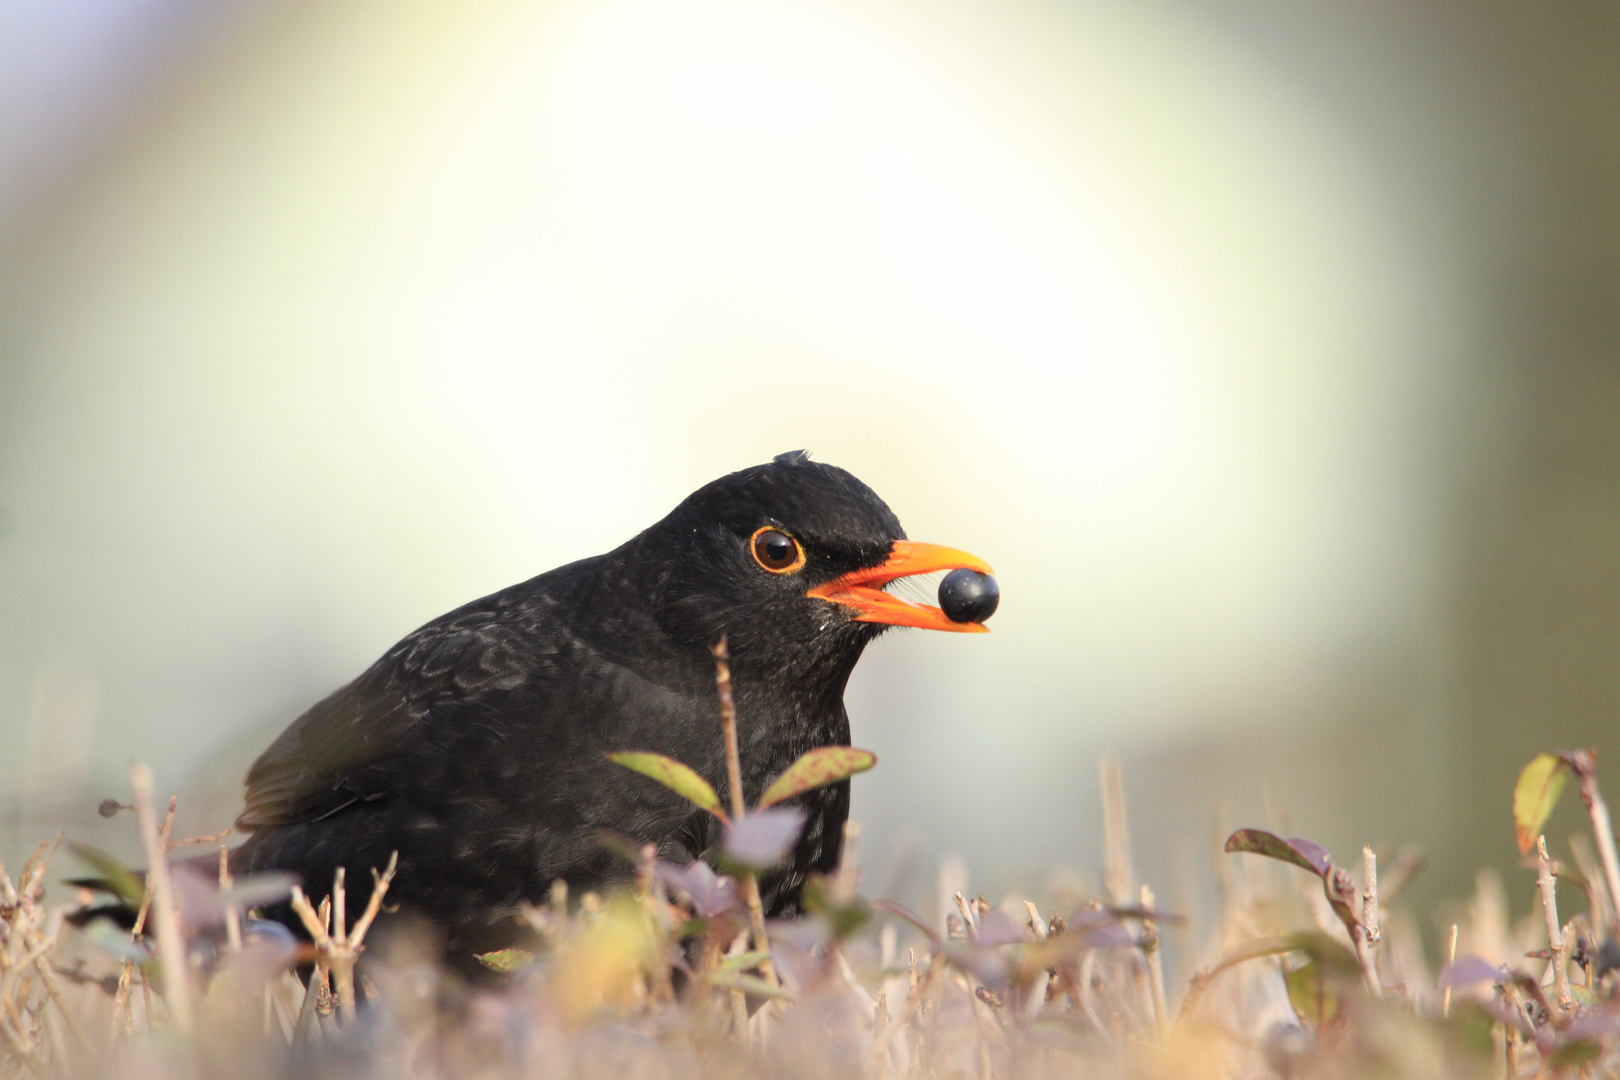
(817, 768)
(506, 961)
(681, 779)
(1540, 784)
(1312, 999)
(732, 965)
(750, 984)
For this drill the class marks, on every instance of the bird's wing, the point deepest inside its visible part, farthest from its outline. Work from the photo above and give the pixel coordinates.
(329, 757)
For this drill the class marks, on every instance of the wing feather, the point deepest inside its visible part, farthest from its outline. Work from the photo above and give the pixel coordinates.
(334, 754)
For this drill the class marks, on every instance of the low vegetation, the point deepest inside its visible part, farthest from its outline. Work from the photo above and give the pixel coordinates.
(1315, 970)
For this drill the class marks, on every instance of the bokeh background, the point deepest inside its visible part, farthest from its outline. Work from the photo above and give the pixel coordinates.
(1269, 350)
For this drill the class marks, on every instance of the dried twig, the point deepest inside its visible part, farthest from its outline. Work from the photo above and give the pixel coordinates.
(339, 948)
(1584, 764)
(233, 917)
(1451, 958)
(1547, 885)
(1374, 935)
(1117, 873)
(739, 807)
(1155, 966)
(171, 943)
(1364, 931)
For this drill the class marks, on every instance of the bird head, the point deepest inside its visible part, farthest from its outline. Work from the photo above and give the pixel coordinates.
(790, 560)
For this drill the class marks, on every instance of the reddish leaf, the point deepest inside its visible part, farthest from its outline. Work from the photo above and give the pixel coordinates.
(1467, 970)
(1302, 853)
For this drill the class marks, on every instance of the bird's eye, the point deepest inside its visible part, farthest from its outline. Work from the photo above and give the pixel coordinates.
(776, 551)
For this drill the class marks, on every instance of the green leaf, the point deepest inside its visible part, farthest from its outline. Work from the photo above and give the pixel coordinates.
(683, 780)
(506, 961)
(1575, 1052)
(817, 768)
(116, 878)
(741, 962)
(1535, 795)
(750, 984)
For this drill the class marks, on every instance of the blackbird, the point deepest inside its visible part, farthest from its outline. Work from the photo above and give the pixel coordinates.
(477, 746)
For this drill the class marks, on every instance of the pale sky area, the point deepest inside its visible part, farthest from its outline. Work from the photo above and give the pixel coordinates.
(346, 313)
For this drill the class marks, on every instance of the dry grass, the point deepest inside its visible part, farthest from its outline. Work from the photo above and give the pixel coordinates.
(1315, 972)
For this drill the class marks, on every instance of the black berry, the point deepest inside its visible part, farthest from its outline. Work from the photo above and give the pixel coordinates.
(968, 596)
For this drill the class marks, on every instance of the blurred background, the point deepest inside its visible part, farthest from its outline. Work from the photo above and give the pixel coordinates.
(1269, 350)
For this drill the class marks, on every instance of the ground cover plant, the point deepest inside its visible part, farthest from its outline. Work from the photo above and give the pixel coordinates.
(1315, 969)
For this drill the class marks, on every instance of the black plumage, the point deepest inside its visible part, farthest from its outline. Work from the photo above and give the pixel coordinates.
(477, 746)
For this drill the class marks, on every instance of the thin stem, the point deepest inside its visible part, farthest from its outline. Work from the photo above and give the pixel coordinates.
(1451, 958)
(336, 948)
(122, 1015)
(1155, 966)
(1585, 765)
(1117, 872)
(1369, 913)
(1555, 935)
(728, 726)
(728, 730)
(233, 918)
(176, 979)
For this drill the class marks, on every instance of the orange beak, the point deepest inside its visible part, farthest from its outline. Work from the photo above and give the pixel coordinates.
(863, 589)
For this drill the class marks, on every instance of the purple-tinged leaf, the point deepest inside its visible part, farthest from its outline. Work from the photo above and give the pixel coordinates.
(1136, 911)
(1302, 853)
(1592, 1025)
(763, 838)
(1108, 935)
(797, 950)
(1468, 970)
(989, 966)
(801, 933)
(203, 903)
(269, 933)
(1340, 890)
(711, 894)
(998, 928)
(1098, 928)
(241, 975)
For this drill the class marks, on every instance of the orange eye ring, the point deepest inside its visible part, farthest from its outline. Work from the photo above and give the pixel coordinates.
(770, 548)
